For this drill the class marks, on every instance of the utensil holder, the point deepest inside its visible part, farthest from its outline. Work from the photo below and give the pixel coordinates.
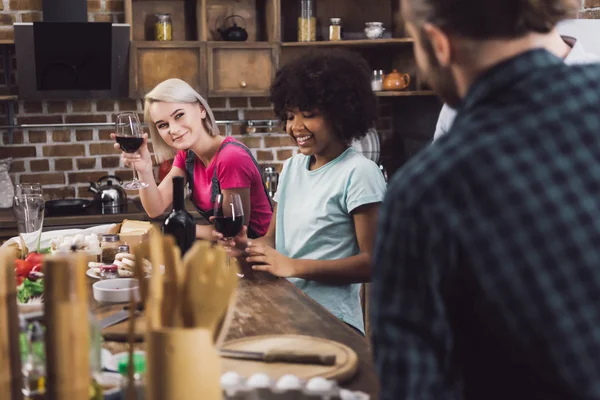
(67, 328)
(10, 361)
(182, 364)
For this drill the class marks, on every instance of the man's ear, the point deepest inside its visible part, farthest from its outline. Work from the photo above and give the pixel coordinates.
(439, 42)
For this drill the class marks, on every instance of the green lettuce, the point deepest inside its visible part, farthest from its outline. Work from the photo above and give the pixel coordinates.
(29, 289)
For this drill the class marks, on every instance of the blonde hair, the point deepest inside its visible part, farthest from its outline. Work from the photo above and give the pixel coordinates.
(174, 91)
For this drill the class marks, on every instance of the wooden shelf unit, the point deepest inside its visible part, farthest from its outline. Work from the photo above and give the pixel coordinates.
(351, 43)
(405, 93)
(222, 68)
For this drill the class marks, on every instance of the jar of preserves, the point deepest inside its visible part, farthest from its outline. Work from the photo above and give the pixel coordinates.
(109, 272)
(163, 29)
(307, 22)
(110, 248)
(335, 29)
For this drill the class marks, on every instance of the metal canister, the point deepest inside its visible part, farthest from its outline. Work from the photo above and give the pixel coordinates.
(271, 179)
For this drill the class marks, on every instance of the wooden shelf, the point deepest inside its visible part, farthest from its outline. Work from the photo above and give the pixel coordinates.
(8, 41)
(405, 93)
(9, 98)
(351, 43)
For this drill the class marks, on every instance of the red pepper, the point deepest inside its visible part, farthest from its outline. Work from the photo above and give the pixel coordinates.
(34, 258)
(37, 268)
(22, 268)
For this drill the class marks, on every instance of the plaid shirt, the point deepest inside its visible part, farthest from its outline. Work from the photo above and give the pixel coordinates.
(487, 262)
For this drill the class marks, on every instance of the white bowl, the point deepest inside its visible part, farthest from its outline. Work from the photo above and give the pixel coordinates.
(110, 382)
(117, 290)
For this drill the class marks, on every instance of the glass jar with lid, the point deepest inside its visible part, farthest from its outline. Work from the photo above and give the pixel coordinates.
(307, 22)
(110, 248)
(163, 29)
(335, 29)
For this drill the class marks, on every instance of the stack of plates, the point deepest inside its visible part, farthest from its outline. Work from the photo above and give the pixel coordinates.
(369, 145)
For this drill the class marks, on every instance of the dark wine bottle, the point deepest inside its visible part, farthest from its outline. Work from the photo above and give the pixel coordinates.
(180, 223)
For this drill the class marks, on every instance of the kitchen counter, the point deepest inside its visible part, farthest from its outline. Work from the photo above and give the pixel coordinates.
(267, 305)
(8, 224)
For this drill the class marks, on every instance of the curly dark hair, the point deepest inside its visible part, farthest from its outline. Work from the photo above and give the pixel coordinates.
(335, 82)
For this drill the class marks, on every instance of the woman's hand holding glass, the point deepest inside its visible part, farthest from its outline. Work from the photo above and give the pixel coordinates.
(141, 160)
(236, 246)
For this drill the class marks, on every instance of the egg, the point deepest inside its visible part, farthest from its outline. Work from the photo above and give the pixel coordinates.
(319, 384)
(78, 241)
(231, 379)
(259, 381)
(288, 382)
(64, 247)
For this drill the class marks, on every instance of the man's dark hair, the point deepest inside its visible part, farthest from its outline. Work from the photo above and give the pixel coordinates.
(491, 19)
(335, 82)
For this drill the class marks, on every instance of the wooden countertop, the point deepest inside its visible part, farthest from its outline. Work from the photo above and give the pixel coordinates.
(269, 306)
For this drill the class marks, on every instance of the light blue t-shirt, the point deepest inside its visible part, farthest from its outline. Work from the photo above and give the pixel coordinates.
(314, 221)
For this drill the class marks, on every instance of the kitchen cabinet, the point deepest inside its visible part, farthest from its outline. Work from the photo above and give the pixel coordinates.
(241, 69)
(153, 62)
(199, 55)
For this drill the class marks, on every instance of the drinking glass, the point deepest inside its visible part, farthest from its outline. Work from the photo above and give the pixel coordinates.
(129, 136)
(229, 216)
(29, 208)
(28, 188)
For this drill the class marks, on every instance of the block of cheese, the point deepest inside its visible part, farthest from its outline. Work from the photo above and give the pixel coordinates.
(134, 232)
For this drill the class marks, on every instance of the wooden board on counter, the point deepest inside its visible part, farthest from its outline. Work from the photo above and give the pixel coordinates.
(344, 369)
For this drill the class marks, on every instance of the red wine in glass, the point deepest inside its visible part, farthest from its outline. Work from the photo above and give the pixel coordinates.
(229, 226)
(129, 144)
(229, 216)
(129, 132)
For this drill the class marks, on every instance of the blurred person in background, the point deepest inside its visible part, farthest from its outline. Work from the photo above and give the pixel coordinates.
(565, 47)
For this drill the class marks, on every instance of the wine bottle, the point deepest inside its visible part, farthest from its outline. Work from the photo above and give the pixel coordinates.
(180, 223)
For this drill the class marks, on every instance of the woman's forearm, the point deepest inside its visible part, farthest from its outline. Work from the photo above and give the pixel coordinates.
(266, 240)
(151, 197)
(355, 269)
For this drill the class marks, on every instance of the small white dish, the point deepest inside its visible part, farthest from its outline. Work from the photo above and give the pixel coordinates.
(110, 382)
(118, 290)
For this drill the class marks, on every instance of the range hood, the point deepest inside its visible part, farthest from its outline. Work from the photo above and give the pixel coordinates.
(67, 57)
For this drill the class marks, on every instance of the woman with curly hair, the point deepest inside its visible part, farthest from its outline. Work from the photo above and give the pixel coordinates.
(328, 198)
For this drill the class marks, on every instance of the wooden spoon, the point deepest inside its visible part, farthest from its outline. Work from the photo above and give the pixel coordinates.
(208, 287)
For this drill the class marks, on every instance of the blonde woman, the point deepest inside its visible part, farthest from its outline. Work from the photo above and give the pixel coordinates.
(182, 125)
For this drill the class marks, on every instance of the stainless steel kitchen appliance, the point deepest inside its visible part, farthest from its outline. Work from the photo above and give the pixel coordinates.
(110, 198)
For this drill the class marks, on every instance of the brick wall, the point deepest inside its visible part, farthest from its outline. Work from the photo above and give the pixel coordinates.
(590, 9)
(65, 160)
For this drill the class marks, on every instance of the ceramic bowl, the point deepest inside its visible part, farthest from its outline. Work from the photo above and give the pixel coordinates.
(117, 290)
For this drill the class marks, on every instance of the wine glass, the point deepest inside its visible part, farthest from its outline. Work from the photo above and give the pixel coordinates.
(28, 207)
(129, 136)
(229, 216)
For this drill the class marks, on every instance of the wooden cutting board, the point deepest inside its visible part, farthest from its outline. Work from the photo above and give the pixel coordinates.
(120, 331)
(344, 369)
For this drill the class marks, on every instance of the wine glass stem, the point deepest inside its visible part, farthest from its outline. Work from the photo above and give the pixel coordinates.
(134, 173)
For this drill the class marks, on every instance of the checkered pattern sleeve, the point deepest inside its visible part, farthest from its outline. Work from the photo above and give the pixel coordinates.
(411, 334)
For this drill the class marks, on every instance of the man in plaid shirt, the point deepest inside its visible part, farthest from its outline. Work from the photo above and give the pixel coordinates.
(486, 281)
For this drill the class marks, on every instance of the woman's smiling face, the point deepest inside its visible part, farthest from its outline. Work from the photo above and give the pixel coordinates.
(179, 124)
(310, 131)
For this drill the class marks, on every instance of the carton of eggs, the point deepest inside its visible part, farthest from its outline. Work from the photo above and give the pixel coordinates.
(289, 387)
